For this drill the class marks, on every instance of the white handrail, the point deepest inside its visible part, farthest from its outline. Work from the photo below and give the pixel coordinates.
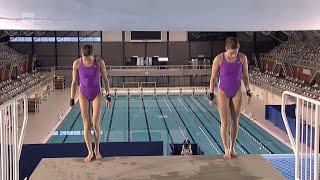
(11, 141)
(136, 83)
(144, 83)
(307, 110)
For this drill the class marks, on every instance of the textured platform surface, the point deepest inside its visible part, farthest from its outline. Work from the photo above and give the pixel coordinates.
(157, 167)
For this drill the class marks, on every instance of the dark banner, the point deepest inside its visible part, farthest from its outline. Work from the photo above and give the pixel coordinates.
(210, 36)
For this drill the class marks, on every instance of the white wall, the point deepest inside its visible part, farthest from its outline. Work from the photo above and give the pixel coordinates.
(178, 36)
(112, 36)
(265, 95)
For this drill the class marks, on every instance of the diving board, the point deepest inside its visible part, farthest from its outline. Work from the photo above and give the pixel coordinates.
(157, 167)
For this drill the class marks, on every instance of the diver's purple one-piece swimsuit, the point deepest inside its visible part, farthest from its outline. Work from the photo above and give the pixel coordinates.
(89, 80)
(230, 77)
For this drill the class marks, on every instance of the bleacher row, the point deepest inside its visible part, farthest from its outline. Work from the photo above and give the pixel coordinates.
(302, 50)
(11, 88)
(302, 53)
(12, 85)
(9, 55)
(283, 84)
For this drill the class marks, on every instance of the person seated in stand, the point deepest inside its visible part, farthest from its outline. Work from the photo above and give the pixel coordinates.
(186, 148)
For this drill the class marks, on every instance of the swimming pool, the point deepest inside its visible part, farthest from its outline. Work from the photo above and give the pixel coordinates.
(169, 119)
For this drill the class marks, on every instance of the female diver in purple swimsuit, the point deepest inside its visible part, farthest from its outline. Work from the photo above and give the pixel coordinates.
(88, 70)
(232, 67)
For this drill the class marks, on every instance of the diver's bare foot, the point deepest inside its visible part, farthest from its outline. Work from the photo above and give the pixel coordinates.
(98, 155)
(233, 153)
(88, 158)
(227, 155)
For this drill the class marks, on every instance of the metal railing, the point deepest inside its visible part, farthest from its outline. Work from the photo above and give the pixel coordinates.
(148, 84)
(306, 143)
(164, 67)
(160, 91)
(11, 140)
(129, 84)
